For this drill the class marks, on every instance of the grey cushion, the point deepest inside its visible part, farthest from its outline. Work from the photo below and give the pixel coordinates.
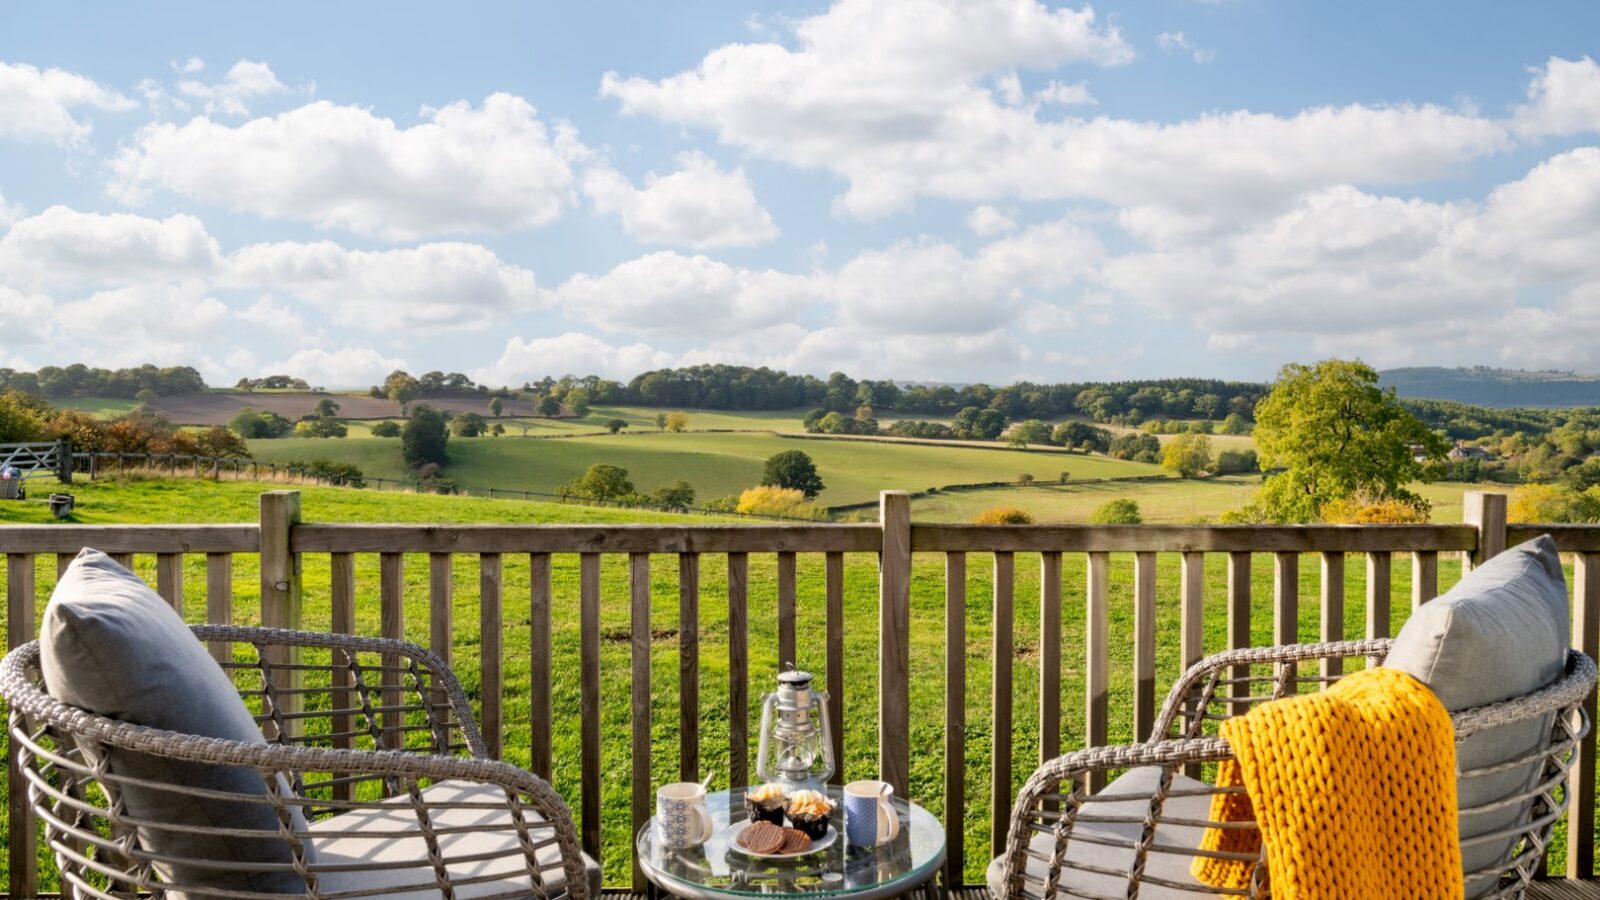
(1136, 786)
(340, 840)
(112, 646)
(1501, 632)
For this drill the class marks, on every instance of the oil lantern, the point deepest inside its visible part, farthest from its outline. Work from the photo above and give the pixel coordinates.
(796, 741)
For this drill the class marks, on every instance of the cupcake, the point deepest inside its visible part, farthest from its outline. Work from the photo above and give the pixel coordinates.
(809, 811)
(766, 803)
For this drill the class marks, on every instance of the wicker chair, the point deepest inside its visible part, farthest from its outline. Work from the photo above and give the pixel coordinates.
(1138, 837)
(374, 761)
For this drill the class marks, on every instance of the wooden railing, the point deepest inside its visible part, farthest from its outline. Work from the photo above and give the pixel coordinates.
(283, 544)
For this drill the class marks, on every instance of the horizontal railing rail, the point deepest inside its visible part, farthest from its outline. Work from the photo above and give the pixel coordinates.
(1148, 604)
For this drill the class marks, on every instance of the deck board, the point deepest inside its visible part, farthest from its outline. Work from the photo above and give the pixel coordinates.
(1542, 890)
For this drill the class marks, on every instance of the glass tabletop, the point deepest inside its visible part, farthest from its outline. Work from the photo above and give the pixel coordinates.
(717, 868)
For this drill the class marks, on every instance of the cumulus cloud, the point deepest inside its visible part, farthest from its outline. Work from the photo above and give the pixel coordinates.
(569, 353)
(986, 221)
(43, 104)
(345, 367)
(699, 206)
(489, 168)
(898, 98)
(1563, 98)
(1062, 94)
(669, 293)
(166, 318)
(1174, 41)
(62, 247)
(446, 286)
(26, 317)
(246, 81)
(10, 213)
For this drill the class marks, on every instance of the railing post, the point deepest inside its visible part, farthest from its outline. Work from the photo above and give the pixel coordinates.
(894, 640)
(64, 460)
(1486, 511)
(280, 588)
(1581, 788)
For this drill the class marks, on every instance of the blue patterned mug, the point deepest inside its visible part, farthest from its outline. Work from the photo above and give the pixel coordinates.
(869, 817)
(682, 819)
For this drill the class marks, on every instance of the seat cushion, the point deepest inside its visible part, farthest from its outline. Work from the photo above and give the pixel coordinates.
(1128, 796)
(1501, 632)
(485, 831)
(112, 646)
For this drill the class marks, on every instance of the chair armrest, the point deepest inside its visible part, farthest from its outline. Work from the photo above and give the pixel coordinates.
(1230, 669)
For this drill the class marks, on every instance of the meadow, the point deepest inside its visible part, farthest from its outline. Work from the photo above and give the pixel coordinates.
(201, 501)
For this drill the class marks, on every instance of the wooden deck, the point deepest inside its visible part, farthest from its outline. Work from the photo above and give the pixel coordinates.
(1544, 890)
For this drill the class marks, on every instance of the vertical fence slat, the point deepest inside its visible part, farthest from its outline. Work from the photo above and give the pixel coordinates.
(1332, 603)
(1379, 591)
(688, 666)
(786, 612)
(169, 579)
(539, 686)
(1096, 656)
(589, 699)
(1049, 656)
(491, 646)
(639, 647)
(955, 715)
(1239, 622)
(1424, 577)
(342, 600)
(1581, 790)
(441, 613)
(281, 598)
(1192, 640)
(894, 641)
(1286, 598)
(391, 624)
(834, 590)
(738, 669)
(20, 590)
(219, 600)
(63, 560)
(1144, 645)
(124, 560)
(1002, 654)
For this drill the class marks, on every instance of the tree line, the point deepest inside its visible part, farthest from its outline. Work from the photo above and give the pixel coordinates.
(79, 380)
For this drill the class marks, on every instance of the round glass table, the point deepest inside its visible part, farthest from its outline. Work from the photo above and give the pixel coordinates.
(718, 870)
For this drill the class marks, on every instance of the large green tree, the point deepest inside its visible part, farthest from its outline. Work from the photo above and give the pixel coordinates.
(1333, 434)
(793, 469)
(1187, 455)
(401, 388)
(424, 436)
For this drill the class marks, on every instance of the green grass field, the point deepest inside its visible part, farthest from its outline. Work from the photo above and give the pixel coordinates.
(191, 501)
(715, 464)
(106, 407)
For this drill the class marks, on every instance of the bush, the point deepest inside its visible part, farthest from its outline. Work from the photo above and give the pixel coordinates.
(1003, 515)
(251, 424)
(346, 474)
(729, 504)
(1367, 511)
(1134, 445)
(678, 496)
(321, 428)
(1121, 511)
(1553, 503)
(469, 424)
(677, 422)
(1235, 462)
(770, 500)
(1025, 478)
(1187, 455)
(388, 428)
(616, 425)
(602, 481)
(793, 470)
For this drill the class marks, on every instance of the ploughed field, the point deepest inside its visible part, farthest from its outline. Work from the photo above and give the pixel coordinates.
(188, 501)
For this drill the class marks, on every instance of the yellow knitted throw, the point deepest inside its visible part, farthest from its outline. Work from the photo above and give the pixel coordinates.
(1353, 790)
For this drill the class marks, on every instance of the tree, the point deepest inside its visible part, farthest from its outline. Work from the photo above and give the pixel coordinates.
(220, 442)
(1081, 436)
(661, 421)
(321, 428)
(549, 406)
(423, 439)
(1133, 445)
(252, 425)
(388, 428)
(327, 408)
(1235, 424)
(21, 417)
(1029, 431)
(497, 429)
(497, 407)
(677, 421)
(1335, 434)
(468, 424)
(793, 469)
(401, 388)
(145, 397)
(602, 481)
(1236, 462)
(577, 400)
(1188, 455)
(1121, 511)
(616, 425)
(678, 496)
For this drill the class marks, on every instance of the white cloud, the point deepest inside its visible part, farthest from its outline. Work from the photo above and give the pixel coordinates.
(698, 206)
(495, 167)
(571, 353)
(191, 66)
(42, 104)
(346, 367)
(986, 221)
(668, 293)
(1171, 41)
(899, 97)
(1563, 98)
(1062, 94)
(10, 213)
(1544, 223)
(445, 286)
(167, 319)
(63, 247)
(25, 317)
(794, 348)
(246, 81)
(275, 317)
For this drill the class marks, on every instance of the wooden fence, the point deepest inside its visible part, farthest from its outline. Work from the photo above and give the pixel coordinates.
(283, 540)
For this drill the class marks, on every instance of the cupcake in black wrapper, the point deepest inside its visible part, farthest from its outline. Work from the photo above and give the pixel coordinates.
(766, 803)
(809, 812)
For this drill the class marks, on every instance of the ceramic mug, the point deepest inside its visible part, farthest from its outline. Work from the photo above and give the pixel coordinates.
(869, 817)
(681, 815)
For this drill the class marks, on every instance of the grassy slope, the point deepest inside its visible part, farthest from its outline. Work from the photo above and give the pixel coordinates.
(715, 464)
(229, 501)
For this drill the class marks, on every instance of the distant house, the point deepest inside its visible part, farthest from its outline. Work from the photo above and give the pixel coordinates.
(1467, 451)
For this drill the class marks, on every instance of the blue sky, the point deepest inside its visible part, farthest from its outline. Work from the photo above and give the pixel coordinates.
(919, 189)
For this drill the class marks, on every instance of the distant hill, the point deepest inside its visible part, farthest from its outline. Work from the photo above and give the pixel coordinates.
(1484, 386)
